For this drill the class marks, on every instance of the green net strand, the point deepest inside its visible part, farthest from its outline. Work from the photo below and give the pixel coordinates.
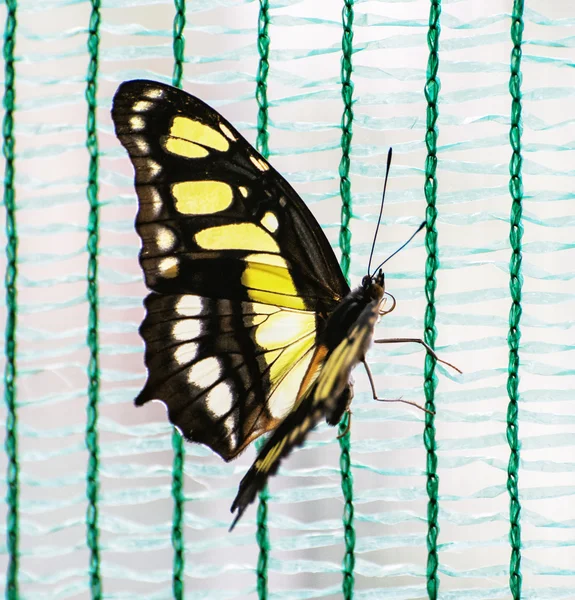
(262, 144)
(346, 136)
(348, 582)
(515, 288)
(432, 87)
(10, 281)
(94, 375)
(177, 489)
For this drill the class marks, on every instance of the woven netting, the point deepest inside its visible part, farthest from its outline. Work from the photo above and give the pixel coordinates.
(473, 502)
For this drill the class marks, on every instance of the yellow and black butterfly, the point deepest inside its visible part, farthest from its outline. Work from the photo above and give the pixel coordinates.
(250, 325)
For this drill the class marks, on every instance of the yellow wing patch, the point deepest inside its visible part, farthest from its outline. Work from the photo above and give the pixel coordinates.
(184, 148)
(267, 259)
(278, 299)
(270, 458)
(237, 236)
(257, 276)
(286, 374)
(202, 197)
(288, 336)
(340, 360)
(267, 272)
(283, 328)
(198, 133)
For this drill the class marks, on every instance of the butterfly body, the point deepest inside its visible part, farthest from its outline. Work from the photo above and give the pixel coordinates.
(250, 326)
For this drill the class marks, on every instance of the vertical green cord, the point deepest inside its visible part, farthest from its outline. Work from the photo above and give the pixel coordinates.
(430, 379)
(10, 370)
(262, 144)
(177, 441)
(92, 477)
(346, 135)
(345, 246)
(515, 287)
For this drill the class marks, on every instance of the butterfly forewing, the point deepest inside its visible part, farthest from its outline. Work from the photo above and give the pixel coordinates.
(242, 277)
(209, 203)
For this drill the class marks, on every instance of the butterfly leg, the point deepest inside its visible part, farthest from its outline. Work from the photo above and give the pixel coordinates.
(418, 341)
(375, 397)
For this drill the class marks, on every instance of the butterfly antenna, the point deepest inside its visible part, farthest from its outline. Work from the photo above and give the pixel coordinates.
(401, 247)
(380, 211)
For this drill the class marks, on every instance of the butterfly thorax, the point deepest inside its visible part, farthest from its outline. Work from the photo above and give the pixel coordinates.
(346, 315)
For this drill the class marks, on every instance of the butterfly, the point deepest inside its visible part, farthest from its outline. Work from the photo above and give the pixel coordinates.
(250, 325)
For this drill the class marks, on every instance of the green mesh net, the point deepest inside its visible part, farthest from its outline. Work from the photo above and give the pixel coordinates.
(104, 500)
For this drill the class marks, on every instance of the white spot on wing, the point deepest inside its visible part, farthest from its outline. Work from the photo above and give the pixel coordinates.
(186, 353)
(189, 306)
(142, 106)
(137, 123)
(141, 144)
(220, 400)
(231, 427)
(165, 239)
(205, 373)
(186, 330)
(227, 132)
(270, 222)
(259, 163)
(168, 266)
(154, 93)
(153, 168)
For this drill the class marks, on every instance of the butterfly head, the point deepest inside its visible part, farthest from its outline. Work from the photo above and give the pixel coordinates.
(374, 285)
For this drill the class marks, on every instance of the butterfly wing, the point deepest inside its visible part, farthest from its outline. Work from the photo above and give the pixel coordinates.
(328, 397)
(242, 276)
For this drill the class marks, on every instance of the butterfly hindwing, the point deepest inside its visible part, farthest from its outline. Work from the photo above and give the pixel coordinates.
(227, 370)
(242, 277)
(328, 397)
